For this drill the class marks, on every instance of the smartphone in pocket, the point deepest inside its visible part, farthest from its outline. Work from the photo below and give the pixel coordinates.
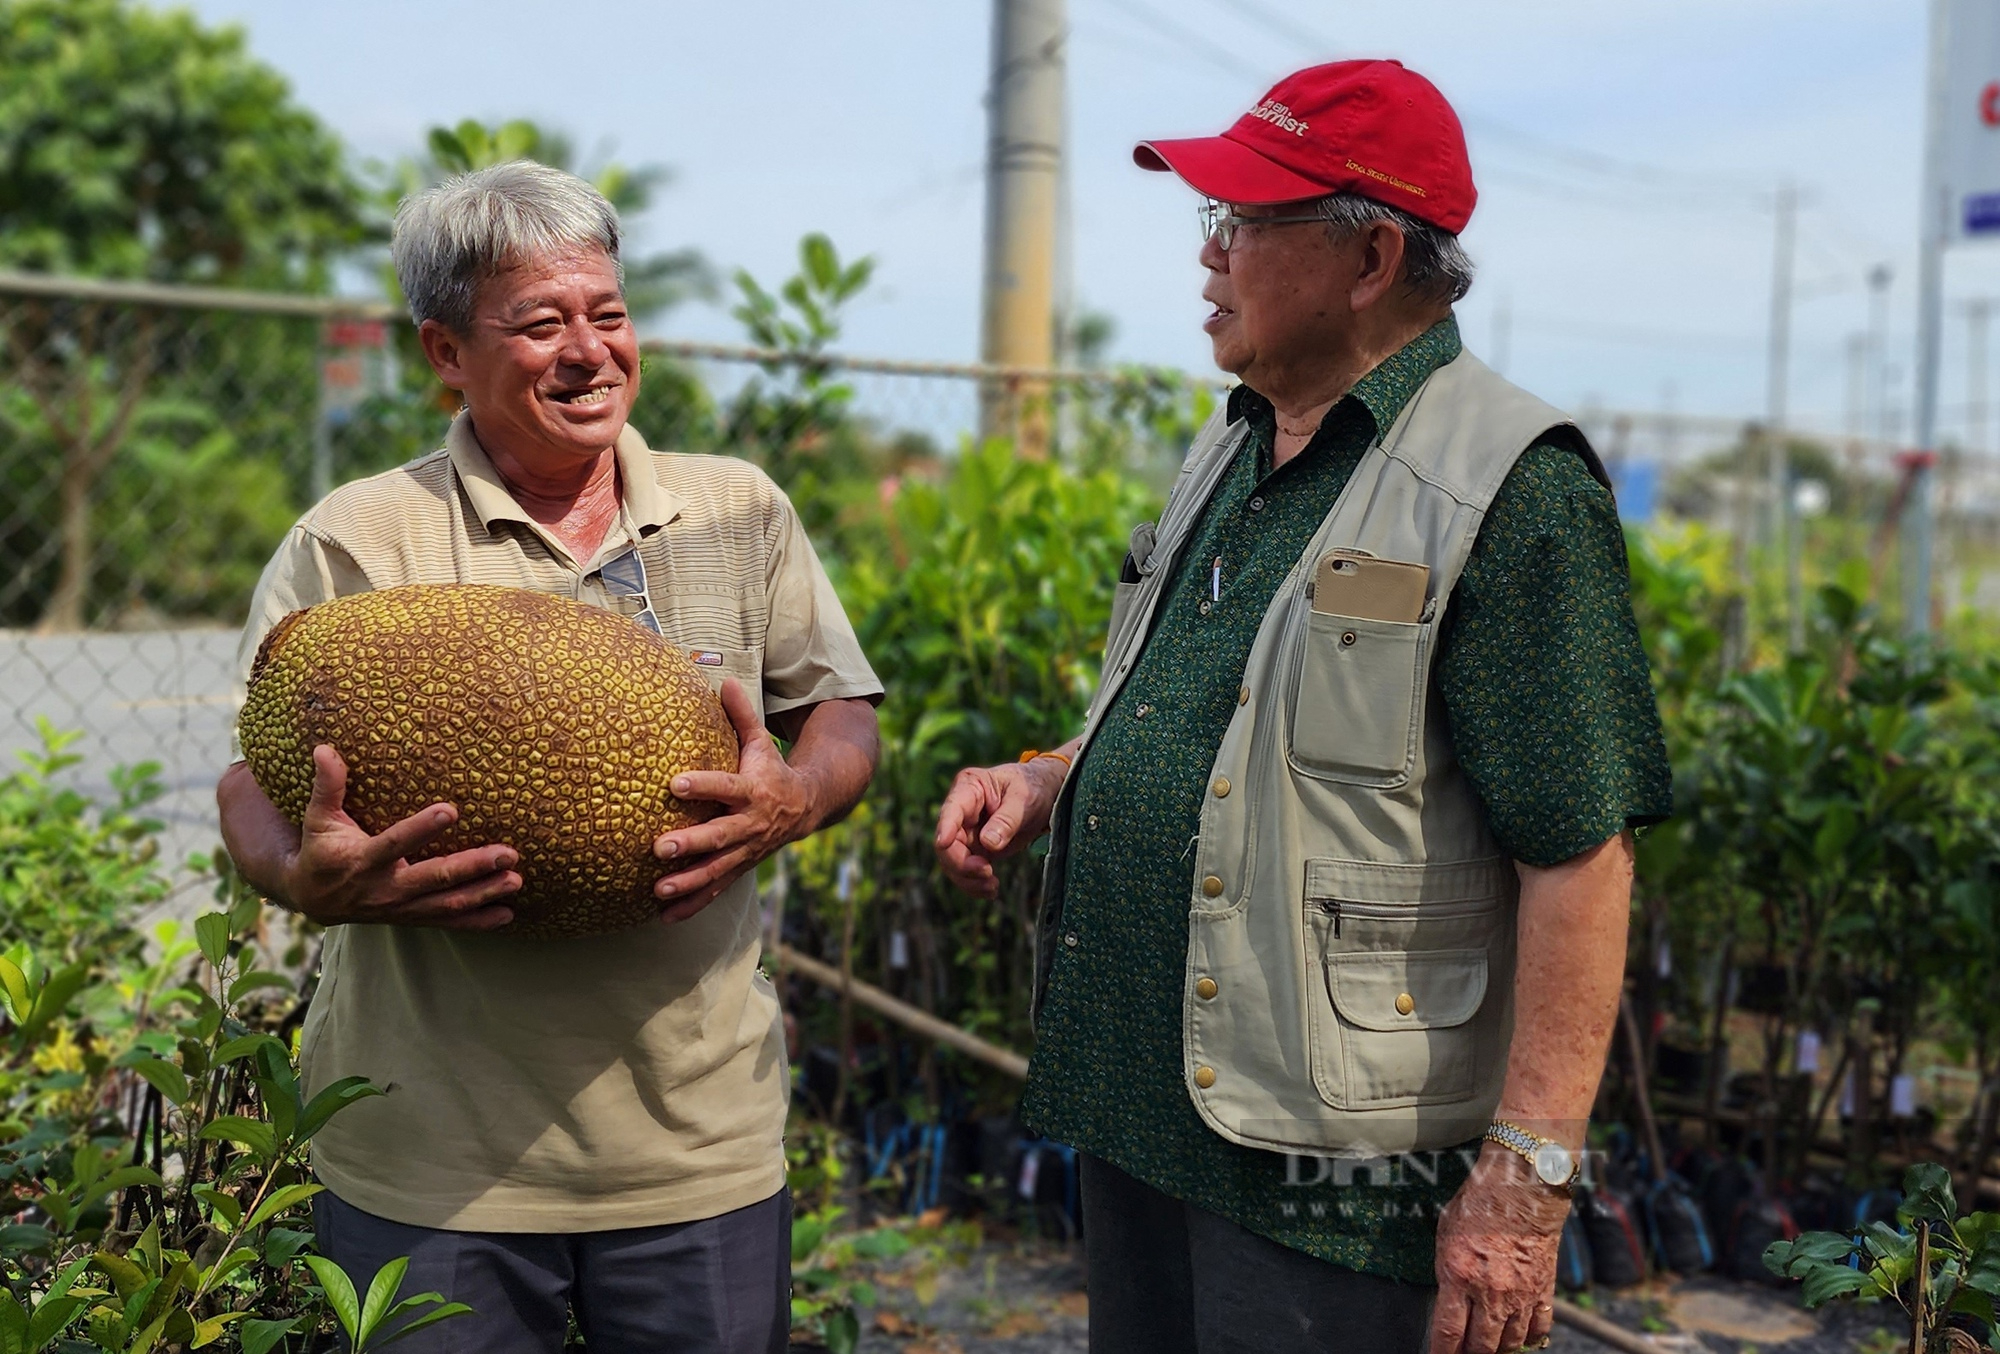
(1348, 583)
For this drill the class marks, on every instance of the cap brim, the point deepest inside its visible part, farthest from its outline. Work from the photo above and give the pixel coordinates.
(1227, 170)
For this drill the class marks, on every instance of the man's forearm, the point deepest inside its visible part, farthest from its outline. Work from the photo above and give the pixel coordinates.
(835, 752)
(1570, 969)
(257, 836)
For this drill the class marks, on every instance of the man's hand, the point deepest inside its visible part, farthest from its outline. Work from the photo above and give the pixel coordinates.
(991, 812)
(770, 805)
(331, 870)
(1496, 1259)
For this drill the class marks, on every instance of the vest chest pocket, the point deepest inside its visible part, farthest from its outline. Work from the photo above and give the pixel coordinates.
(1358, 702)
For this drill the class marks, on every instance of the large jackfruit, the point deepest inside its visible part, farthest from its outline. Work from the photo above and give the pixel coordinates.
(555, 727)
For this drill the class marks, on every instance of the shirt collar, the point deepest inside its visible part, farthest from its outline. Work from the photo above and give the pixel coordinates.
(649, 503)
(1384, 390)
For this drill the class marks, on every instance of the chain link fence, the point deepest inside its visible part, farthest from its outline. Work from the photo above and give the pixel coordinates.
(156, 442)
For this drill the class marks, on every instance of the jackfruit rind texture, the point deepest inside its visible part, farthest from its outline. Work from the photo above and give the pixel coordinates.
(555, 727)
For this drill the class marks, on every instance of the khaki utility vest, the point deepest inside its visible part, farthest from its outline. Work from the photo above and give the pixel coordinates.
(1349, 986)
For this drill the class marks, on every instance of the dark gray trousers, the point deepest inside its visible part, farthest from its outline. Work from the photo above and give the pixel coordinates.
(717, 1286)
(1166, 1277)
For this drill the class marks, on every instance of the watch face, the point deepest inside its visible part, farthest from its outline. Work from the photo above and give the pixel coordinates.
(1554, 1163)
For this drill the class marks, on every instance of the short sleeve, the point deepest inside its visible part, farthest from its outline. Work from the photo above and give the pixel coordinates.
(1542, 672)
(810, 650)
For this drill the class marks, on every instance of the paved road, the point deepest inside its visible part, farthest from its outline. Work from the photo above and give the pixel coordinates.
(162, 696)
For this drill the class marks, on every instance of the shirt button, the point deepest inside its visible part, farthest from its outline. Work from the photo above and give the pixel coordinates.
(1257, 503)
(1091, 822)
(1070, 940)
(1243, 695)
(1212, 887)
(1204, 607)
(1204, 1077)
(1205, 988)
(1221, 787)
(1405, 1004)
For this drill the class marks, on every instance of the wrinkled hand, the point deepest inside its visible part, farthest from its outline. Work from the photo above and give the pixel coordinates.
(770, 805)
(1496, 1259)
(992, 812)
(337, 873)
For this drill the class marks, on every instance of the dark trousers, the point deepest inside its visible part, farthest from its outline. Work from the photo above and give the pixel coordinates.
(717, 1286)
(1168, 1278)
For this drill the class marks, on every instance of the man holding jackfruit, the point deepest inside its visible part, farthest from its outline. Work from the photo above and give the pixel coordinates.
(1334, 910)
(588, 1126)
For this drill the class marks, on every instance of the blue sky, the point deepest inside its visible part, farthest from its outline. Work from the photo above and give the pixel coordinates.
(1626, 153)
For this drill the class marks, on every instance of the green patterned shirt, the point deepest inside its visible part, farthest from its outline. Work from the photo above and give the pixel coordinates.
(1550, 705)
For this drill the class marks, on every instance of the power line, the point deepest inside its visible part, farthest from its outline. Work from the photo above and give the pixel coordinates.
(1590, 161)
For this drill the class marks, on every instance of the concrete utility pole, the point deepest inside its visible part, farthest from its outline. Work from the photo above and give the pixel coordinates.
(1934, 216)
(1024, 152)
(1780, 525)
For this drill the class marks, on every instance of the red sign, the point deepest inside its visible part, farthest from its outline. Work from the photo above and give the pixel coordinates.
(356, 333)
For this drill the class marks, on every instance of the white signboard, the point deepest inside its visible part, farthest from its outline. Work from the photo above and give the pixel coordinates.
(1971, 152)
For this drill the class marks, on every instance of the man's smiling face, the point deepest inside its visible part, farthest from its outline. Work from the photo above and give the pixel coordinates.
(551, 365)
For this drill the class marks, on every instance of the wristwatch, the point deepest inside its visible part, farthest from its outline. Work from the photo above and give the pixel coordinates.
(1555, 1165)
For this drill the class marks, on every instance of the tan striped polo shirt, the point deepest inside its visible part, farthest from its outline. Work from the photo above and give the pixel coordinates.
(625, 1080)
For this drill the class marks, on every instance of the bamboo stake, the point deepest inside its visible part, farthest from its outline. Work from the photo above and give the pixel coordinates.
(910, 1017)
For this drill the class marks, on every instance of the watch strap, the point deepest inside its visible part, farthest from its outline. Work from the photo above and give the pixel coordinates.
(1528, 1146)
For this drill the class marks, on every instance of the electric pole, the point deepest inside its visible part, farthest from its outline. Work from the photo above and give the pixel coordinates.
(1934, 217)
(1024, 153)
(1780, 524)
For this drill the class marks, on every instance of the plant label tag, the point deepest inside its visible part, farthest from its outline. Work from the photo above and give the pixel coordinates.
(1902, 1096)
(1031, 1171)
(1808, 1053)
(899, 950)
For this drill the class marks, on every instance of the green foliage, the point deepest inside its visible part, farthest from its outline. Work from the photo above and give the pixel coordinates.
(71, 872)
(834, 1269)
(986, 602)
(136, 143)
(154, 1133)
(1935, 1265)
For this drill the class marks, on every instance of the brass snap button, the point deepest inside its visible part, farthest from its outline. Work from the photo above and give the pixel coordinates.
(1070, 940)
(1204, 607)
(1221, 787)
(1405, 1004)
(1205, 988)
(1243, 695)
(1204, 1077)
(1091, 822)
(1212, 886)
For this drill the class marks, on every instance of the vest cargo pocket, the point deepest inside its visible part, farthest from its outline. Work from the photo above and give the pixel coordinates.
(1398, 960)
(1356, 705)
(1394, 1027)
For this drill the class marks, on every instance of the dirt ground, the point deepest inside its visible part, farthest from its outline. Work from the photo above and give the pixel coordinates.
(1027, 1298)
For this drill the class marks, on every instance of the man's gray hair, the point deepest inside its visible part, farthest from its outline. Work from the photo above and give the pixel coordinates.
(449, 239)
(1435, 264)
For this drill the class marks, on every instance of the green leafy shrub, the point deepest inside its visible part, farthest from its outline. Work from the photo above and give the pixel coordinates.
(72, 872)
(1935, 1265)
(154, 1135)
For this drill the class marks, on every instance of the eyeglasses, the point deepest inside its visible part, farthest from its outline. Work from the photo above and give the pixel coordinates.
(625, 580)
(1219, 224)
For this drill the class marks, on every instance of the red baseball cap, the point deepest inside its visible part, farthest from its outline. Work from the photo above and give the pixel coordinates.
(1366, 127)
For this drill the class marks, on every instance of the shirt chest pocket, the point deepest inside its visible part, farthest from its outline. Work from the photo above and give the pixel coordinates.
(720, 664)
(1358, 698)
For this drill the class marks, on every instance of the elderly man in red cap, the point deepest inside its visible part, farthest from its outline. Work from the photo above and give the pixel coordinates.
(1334, 909)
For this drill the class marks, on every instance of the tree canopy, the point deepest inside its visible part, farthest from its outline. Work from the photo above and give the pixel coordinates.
(138, 143)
